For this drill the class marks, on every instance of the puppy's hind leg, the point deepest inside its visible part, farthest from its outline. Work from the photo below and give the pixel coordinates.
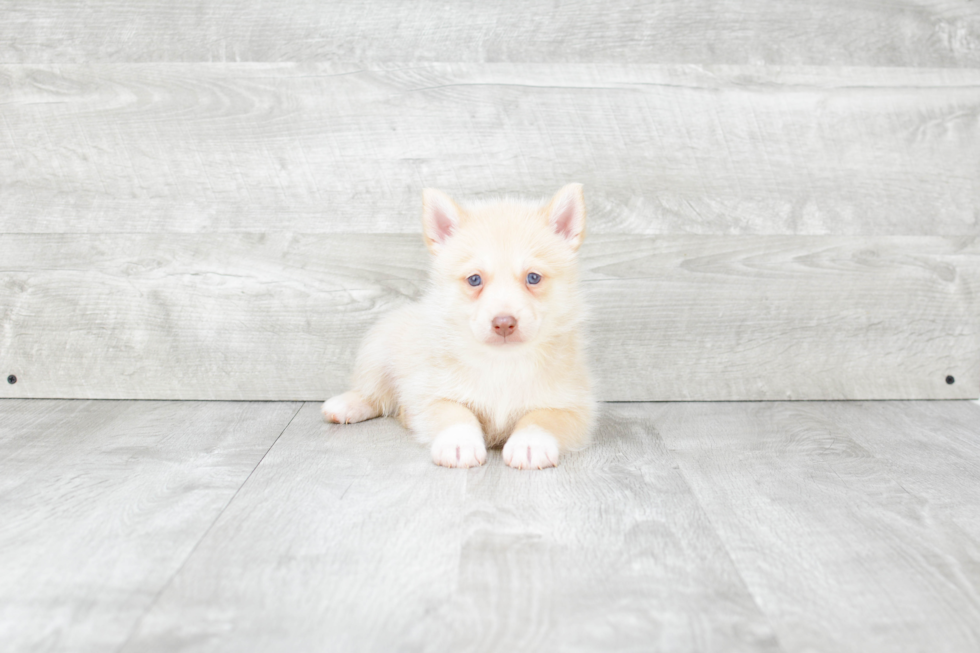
(348, 408)
(371, 397)
(373, 394)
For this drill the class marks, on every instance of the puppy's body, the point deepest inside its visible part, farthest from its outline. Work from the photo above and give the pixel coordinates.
(406, 370)
(492, 353)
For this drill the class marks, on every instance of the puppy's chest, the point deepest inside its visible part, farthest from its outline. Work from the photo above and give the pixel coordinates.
(500, 394)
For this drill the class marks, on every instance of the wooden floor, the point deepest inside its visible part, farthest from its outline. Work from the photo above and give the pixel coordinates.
(223, 526)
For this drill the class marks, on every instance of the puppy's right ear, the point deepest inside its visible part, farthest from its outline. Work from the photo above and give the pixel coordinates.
(440, 217)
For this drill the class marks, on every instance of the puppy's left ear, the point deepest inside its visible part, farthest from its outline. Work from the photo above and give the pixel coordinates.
(566, 214)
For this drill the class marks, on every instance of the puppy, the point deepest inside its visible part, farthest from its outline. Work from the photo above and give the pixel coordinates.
(492, 353)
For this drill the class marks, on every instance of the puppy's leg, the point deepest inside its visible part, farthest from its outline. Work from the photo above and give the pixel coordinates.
(348, 408)
(541, 434)
(373, 394)
(459, 439)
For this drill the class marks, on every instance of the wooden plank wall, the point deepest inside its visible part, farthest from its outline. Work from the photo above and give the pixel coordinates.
(926, 33)
(199, 200)
(679, 317)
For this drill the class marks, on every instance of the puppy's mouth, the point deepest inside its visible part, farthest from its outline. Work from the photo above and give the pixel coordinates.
(505, 341)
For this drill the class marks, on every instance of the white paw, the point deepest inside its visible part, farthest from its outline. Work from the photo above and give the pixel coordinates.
(347, 409)
(460, 445)
(531, 448)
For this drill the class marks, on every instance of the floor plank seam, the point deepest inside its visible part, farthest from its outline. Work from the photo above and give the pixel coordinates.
(722, 541)
(190, 554)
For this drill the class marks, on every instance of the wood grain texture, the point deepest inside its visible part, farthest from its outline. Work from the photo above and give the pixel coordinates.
(369, 547)
(340, 148)
(839, 550)
(822, 32)
(776, 526)
(344, 539)
(279, 316)
(102, 502)
(937, 457)
(612, 552)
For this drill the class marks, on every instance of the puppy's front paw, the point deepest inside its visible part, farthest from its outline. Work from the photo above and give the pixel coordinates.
(347, 408)
(531, 448)
(460, 445)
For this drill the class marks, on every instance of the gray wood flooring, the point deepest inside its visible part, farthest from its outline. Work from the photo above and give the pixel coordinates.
(102, 502)
(200, 526)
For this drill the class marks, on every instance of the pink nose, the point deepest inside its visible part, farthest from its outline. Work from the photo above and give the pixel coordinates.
(504, 325)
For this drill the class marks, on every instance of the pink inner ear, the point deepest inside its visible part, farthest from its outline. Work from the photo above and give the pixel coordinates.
(442, 225)
(565, 221)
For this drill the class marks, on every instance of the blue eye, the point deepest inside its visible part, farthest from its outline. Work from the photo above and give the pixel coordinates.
(533, 278)
(474, 280)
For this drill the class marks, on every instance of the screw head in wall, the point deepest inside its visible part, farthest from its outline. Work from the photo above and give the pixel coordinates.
(11, 379)
(950, 380)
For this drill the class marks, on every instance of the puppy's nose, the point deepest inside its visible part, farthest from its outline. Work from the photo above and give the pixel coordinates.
(504, 325)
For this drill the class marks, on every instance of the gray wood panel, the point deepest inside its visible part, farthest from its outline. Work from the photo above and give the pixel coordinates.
(819, 32)
(612, 553)
(279, 316)
(102, 502)
(839, 550)
(937, 457)
(338, 148)
(366, 546)
(805, 526)
(343, 536)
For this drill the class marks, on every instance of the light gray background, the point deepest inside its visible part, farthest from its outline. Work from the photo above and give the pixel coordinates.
(187, 189)
(207, 200)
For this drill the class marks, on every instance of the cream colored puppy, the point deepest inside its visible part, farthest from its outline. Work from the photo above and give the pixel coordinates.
(492, 353)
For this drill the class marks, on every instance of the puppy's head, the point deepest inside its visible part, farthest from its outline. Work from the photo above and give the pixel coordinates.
(506, 271)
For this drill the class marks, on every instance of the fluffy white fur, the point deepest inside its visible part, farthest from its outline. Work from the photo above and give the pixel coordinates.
(455, 380)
